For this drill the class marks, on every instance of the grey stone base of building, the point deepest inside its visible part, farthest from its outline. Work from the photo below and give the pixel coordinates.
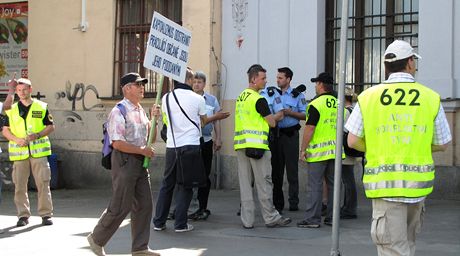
(84, 170)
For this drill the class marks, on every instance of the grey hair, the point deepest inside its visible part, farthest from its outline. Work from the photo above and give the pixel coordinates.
(200, 75)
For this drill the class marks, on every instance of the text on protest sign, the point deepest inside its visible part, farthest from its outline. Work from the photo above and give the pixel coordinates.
(167, 48)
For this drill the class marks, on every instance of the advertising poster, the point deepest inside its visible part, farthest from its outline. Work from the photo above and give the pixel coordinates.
(13, 41)
(167, 48)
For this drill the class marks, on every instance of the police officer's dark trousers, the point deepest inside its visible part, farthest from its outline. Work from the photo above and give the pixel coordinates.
(285, 154)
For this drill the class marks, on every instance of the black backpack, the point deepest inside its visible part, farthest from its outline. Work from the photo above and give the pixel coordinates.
(350, 151)
(107, 148)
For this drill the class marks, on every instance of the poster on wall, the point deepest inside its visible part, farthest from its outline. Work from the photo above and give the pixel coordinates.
(13, 41)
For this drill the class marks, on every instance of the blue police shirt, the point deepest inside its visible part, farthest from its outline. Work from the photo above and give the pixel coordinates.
(297, 104)
(212, 106)
(274, 102)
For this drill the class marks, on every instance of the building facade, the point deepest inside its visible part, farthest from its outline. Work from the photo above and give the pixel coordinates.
(76, 52)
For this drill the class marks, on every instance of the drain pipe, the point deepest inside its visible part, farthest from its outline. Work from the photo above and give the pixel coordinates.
(83, 24)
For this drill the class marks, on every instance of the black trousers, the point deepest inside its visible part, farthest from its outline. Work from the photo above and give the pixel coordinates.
(285, 154)
(182, 198)
(350, 202)
(203, 192)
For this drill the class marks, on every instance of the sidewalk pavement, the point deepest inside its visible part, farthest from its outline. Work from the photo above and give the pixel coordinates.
(77, 211)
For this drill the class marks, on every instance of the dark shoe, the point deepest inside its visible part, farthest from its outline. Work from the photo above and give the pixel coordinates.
(293, 208)
(248, 227)
(281, 222)
(238, 213)
(203, 215)
(171, 216)
(22, 222)
(46, 221)
(324, 210)
(307, 224)
(348, 216)
(327, 221)
(194, 216)
(280, 211)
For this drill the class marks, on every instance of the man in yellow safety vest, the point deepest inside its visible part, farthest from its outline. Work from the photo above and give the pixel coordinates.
(318, 149)
(398, 124)
(252, 121)
(27, 127)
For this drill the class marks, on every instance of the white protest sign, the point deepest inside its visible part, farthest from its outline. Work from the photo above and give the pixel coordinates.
(167, 48)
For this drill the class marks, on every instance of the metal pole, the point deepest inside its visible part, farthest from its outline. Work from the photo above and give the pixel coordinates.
(338, 147)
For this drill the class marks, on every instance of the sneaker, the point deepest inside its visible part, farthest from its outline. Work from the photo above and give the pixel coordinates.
(97, 249)
(22, 222)
(328, 221)
(46, 221)
(159, 228)
(146, 252)
(182, 230)
(307, 224)
(281, 222)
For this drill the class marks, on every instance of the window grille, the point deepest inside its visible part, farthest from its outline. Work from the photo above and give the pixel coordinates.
(133, 20)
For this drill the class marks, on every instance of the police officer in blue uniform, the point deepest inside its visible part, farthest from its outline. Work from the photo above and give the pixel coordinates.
(284, 139)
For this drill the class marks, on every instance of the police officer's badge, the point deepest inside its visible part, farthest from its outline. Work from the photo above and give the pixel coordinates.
(278, 100)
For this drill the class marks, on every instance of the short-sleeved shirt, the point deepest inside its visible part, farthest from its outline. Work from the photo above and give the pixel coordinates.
(24, 110)
(441, 131)
(133, 128)
(212, 106)
(262, 107)
(185, 133)
(274, 101)
(297, 104)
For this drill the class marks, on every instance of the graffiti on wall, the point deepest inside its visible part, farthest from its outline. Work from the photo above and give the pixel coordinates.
(76, 93)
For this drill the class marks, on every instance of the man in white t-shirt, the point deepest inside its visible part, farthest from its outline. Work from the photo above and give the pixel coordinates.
(183, 142)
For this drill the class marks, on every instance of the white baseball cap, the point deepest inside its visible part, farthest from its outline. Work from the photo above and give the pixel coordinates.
(24, 81)
(401, 49)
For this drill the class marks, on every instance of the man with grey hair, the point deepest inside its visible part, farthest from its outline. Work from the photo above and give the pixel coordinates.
(128, 127)
(209, 145)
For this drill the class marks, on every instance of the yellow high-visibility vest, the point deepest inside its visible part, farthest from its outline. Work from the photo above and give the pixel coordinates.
(322, 144)
(33, 124)
(398, 126)
(251, 129)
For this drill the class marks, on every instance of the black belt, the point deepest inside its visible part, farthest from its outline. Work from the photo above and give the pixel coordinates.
(290, 130)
